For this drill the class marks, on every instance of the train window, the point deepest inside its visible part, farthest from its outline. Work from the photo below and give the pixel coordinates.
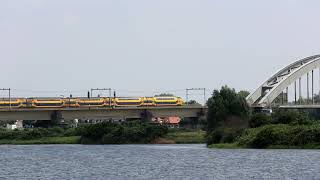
(7, 105)
(126, 99)
(128, 103)
(165, 98)
(91, 104)
(166, 103)
(48, 104)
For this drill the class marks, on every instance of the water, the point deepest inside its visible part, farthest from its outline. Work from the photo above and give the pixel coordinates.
(154, 162)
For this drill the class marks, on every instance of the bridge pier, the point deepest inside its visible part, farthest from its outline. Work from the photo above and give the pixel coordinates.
(146, 116)
(56, 117)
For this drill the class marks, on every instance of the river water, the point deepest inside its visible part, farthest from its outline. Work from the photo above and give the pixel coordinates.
(154, 162)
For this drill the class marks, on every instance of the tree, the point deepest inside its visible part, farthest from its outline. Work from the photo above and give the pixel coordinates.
(193, 102)
(244, 93)
(226, 105)
(316, 98)
(164, 94)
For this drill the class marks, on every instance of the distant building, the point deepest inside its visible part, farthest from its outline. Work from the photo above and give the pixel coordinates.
(171, 122)
(17, 125)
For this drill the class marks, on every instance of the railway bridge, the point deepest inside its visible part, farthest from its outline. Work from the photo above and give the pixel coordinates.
(292, 87)
(68, 114)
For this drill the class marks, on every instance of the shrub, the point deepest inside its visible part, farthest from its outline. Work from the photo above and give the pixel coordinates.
(130, 132)
(70, 132)
(230, 135)
(214, 137)
(289, 117)
(281, 135)
(259, 119)
(307, 135)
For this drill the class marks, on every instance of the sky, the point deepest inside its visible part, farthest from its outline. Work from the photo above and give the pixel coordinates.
(145, 47)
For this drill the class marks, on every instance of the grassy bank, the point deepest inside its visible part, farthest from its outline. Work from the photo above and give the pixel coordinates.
(104, 133)
(277, 136)
(44, 140)
(237, 146)
(226, 146)
(186, 136)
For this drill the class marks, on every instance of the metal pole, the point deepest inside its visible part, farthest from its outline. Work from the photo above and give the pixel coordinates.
(300, 98)
(308, 96)
(319, 86)
(196, 89)
(295, 92)
(110, 97)
(282, 97)
(187, 96)
(204, 96)
(9, 94)
(10, 98)
(312, 96)
(114, 97)
(287, 95)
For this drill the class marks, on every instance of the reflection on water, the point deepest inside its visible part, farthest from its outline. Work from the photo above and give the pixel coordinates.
(154, 162)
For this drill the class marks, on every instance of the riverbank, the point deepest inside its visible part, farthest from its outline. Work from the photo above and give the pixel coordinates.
(237, 146)
(47, 136)
(276, 136)
(181, 136)
(44, 140)
(104, 133)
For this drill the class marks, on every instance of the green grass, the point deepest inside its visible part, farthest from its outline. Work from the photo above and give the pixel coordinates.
(225, 146)
(186, 137)
(237, 146)
(307, 146)
(45, 140)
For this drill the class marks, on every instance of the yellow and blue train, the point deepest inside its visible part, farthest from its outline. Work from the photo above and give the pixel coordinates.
(90, 102)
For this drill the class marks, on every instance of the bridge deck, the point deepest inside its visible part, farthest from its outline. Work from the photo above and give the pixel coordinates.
(103, 113)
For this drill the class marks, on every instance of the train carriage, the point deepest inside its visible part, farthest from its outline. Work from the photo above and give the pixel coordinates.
(13, 103)
(128, 101)
(168, 101)
(92, 102)
(47, 103)
(71, 102)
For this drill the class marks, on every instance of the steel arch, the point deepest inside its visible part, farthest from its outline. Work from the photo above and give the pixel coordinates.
(270, 90)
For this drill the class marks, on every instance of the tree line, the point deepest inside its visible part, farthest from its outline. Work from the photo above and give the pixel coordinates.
(230, 120)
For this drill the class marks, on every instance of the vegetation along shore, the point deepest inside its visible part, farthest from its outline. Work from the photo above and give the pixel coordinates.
(232, 124)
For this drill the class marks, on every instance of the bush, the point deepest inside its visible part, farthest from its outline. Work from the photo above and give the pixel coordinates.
(223, 135)
(281, 135)
(130, 132)
(230, 135)
(259, 119)
(214, 137)
(290, 117)
(70, 132)
(307, 135)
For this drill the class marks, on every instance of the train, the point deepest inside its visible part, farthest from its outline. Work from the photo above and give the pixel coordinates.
(98, 102)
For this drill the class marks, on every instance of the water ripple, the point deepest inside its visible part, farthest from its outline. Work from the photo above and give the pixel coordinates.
(154, 162)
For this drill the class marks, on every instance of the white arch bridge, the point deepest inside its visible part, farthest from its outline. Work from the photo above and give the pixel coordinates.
(276, 87)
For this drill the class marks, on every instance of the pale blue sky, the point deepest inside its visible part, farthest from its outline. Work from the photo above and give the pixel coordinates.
(142, 47)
